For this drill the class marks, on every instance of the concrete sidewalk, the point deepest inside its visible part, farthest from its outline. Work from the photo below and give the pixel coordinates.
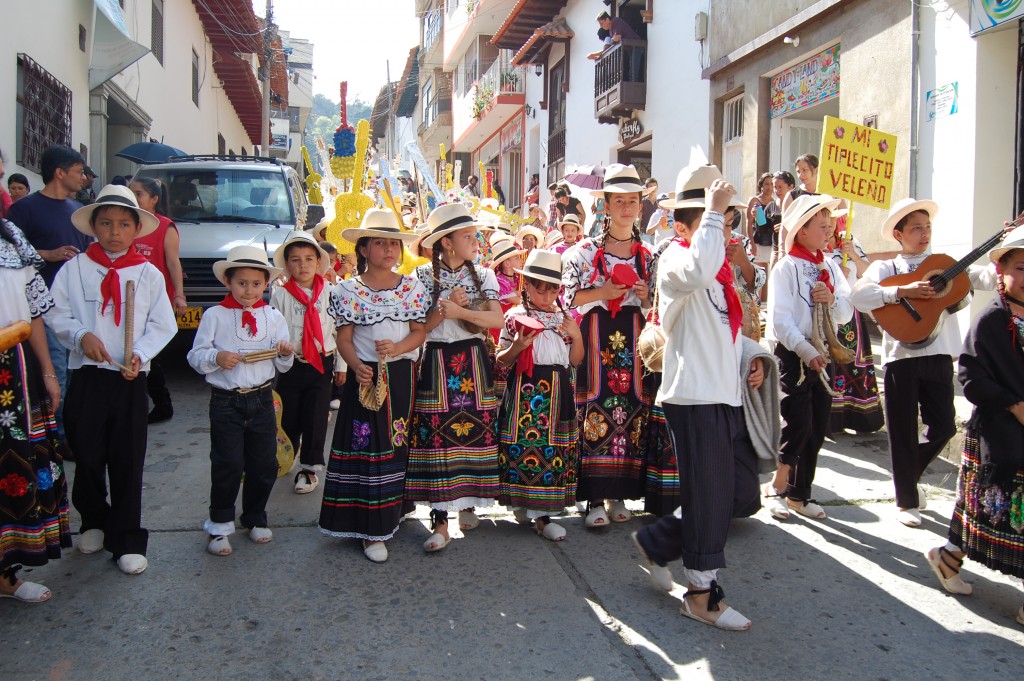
(850, 597)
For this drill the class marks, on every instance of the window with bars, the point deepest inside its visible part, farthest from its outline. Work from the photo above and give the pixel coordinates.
(42, 113)
(195, 78)
(157, 31)
(732, 121)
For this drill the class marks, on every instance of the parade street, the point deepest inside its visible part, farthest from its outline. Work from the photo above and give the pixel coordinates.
(850, 597)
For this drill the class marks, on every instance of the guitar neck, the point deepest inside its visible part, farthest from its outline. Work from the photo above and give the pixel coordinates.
(965, 262)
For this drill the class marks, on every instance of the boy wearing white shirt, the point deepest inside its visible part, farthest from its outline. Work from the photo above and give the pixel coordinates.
(304, 301)
(801, 280)
(701, 393)
(915, 378)
(108, 435)
(243, 429)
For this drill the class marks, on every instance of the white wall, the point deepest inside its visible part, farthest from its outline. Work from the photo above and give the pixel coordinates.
(966, 160)
(677, 98)
(165, 91)
(50, 38)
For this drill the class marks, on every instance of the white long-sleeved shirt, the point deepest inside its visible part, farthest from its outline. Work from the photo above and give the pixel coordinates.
(78, 310)
(294, 314)
(702, 359)
(221, 330)
(790, 307)
(869, 295)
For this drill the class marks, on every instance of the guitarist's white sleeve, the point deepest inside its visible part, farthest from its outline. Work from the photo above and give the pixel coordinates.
(867, 294)
(983, 277)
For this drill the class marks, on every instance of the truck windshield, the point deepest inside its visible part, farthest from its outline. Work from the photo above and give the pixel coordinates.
(220, 195)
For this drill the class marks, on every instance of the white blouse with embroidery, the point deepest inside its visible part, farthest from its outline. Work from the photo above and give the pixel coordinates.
(23, 294)
(451, 330)
(550, 346)
(579, 274)
(379, 314)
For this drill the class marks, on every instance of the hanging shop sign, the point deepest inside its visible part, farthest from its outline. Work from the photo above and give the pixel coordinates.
(629, 130)
(989, 14)
(810, 82)
(512, 134)
(856, 162)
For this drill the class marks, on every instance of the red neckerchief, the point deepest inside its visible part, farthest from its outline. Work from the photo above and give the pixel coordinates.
(312, 330)
(818, 258)
(728, 282)
(601, 268)
(110, 287)
(248, 318)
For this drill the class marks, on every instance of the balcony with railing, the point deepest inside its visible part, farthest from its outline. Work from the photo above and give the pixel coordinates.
(496, 96)
(620, 80)
(436, 126)
(433, 28)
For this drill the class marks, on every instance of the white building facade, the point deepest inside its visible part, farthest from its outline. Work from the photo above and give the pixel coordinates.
(194, 86)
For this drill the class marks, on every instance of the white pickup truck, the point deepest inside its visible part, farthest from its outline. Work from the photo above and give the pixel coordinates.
(219, 202)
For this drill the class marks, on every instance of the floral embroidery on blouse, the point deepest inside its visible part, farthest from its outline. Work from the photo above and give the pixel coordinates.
(459, 277)
(19, 255)
(579, 273)
(353, 302)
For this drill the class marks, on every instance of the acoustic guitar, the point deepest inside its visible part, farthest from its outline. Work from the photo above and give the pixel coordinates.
(916, 322)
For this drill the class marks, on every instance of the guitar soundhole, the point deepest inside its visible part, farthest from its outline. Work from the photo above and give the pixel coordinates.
(940, 285)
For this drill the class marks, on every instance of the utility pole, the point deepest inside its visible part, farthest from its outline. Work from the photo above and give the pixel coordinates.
(267, 55)
(391, 111)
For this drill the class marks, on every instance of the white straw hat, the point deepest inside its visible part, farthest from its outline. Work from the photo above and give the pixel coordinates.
(622, 179)
(802, 209)
(530, 230)
(1011, 241)
(902, 209)
(245, 256)
(502, 250)
(543, 265)
(114, 195)
(299, 236)
(446, 219)
(692, 184)
(381, 223)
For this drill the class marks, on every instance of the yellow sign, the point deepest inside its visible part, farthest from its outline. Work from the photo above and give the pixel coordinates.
(856, 162)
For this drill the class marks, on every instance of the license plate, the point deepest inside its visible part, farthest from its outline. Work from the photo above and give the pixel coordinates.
(190, 320)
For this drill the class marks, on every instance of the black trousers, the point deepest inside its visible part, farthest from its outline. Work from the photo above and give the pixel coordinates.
(717, 482)
(305, 403)
(925, 382)
(806, 409)
(105, 421)
(243, 439)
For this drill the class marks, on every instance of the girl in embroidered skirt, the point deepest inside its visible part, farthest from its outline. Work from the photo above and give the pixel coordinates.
(34, 524)
(537, 421)
(453, 455)
(506, 256)
(856, 405)
(380, 316)
(608, 280)
(988, 518)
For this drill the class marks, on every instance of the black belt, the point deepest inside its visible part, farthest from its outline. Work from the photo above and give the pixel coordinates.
(241, 391)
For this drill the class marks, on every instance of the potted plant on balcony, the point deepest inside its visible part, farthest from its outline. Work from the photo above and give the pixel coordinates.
(483, 99)
(509, 80)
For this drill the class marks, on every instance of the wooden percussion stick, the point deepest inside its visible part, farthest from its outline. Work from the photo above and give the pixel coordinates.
(129, 325)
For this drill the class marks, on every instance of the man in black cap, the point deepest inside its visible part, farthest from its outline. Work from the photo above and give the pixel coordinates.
(86, 195)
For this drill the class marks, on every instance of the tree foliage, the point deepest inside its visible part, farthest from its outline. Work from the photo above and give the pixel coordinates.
(324, 119)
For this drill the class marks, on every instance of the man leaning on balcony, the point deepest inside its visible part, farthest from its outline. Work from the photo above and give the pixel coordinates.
(612, 31)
